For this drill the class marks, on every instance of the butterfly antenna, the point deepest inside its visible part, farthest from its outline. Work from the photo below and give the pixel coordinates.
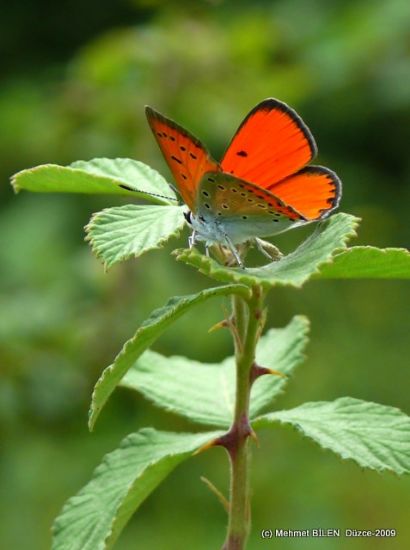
(175, 190)
(150, 194)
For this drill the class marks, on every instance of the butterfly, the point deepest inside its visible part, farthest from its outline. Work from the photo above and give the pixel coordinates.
(261, 187)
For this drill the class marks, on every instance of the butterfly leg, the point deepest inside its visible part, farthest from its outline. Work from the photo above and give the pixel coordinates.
(192, 239)
(235, 253)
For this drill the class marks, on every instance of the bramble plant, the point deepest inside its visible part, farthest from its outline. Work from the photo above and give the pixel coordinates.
(232, 396)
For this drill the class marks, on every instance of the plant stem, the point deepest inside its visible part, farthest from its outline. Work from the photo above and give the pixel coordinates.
(247, 321)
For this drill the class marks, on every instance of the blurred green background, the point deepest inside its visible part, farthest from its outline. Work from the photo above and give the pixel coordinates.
(75, 79)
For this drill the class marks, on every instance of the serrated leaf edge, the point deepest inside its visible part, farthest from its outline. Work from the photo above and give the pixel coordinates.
(205, 265)
(141, 194)
(341, 455)
(107, 265)
(104, 464)
(302, 341)
(238, 289)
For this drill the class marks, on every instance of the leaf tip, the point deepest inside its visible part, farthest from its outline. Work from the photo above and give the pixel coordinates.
(14, 183)
(92, 418)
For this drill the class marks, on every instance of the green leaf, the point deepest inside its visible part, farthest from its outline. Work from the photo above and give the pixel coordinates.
(291, 270)
(95, 517)
(123, 231)
(205, 392)
(97, 176)
(368, 262)
(149, 331)
(373, 435)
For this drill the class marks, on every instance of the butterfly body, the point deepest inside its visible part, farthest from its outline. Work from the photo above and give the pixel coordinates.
(261, 187)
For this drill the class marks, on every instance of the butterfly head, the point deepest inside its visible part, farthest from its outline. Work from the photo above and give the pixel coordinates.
(188, 217)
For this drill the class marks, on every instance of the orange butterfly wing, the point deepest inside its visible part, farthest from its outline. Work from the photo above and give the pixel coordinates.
(314, 191)
(270, 144)
(186, 157)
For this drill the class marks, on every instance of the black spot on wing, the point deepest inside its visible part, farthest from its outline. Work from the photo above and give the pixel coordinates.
(242, 154)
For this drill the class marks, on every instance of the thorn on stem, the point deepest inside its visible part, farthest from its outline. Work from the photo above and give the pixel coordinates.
(234, 330)
(238, 432)
(206, 446)
(254, 437)
(221, 324)
(257, 371)
(220, 496)
(261, 318)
